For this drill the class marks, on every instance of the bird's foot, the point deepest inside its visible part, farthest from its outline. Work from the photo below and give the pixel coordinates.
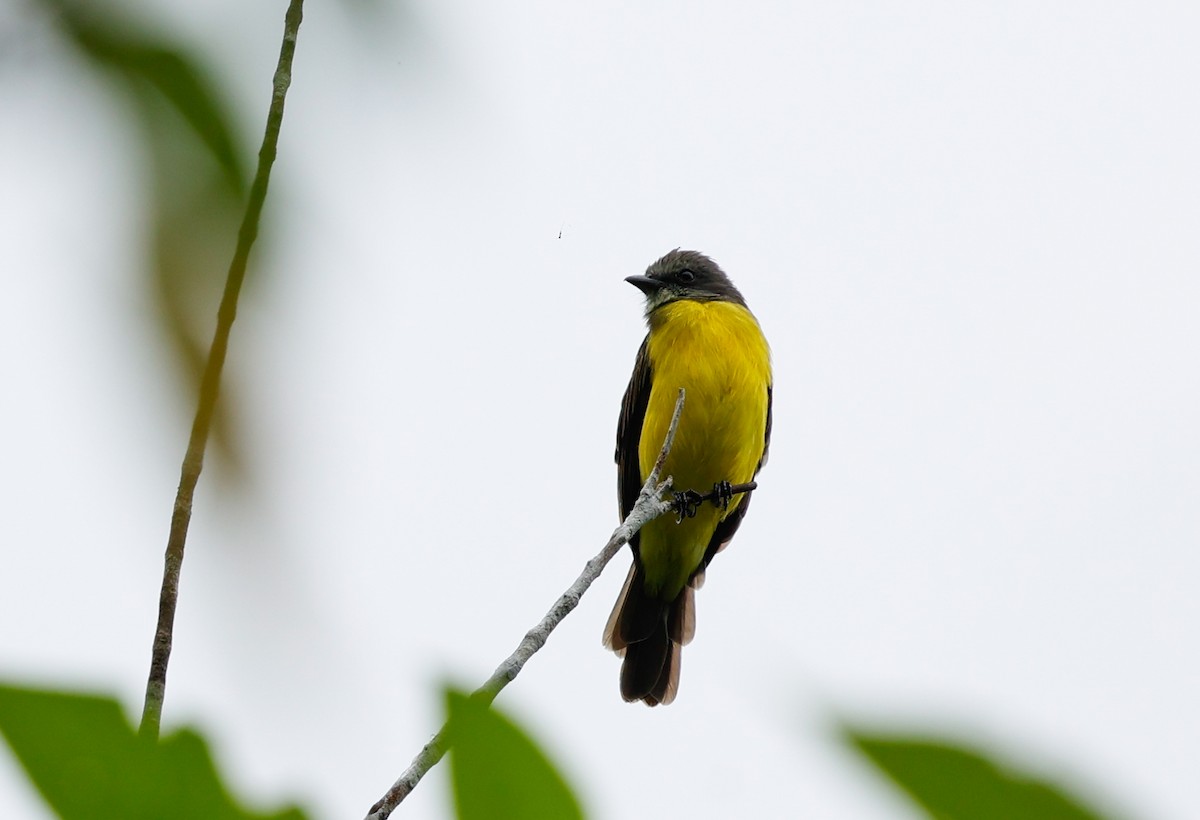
(722, 494)
(687, 504)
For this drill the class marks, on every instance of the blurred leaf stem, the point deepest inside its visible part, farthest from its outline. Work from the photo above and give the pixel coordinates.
(193, 460)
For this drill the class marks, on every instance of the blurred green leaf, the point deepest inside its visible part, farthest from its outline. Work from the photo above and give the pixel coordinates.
(88, 762)
(956, 783)
(198, 185)
(147, 63)
(498, 772)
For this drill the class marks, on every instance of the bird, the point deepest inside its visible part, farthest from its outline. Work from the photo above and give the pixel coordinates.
(703, 338)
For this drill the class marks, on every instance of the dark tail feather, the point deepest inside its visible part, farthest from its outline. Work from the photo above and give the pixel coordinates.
(645, 673)
(636, 616)
(682, 623)
(667, 685)
(649, 633)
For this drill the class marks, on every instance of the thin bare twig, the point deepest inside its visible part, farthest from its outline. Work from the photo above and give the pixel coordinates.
(733, 489)
(193, 459)
(650, 505)
(688, 503)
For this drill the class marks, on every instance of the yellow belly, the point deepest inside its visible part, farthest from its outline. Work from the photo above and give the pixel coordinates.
(717, 353)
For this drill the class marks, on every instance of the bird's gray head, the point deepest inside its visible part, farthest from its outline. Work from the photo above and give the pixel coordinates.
(685, 275)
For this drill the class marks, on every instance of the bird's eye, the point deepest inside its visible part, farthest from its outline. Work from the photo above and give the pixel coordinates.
(686, 276)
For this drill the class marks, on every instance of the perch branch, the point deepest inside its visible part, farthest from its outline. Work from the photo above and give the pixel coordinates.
(650, 505)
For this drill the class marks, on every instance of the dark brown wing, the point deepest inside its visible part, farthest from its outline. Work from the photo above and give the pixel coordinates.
(629, 433)
(637, 619)
(767, 437)
(725, 530)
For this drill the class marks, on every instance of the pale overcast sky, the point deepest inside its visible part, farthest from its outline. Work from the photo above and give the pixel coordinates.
(970, 232)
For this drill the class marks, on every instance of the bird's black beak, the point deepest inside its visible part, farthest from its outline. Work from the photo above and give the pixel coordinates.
(644, 283)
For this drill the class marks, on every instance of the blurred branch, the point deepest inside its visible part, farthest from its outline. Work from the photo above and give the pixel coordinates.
(193, 460)
(650, 505)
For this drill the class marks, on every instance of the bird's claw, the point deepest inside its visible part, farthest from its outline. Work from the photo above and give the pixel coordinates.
(687, 504)
(722, 494)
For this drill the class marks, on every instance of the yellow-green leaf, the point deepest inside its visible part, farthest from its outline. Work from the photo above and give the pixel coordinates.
(951, 782)
(497, 770)
(87, 762)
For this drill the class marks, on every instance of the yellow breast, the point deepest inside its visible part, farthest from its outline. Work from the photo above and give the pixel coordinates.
(717, 353)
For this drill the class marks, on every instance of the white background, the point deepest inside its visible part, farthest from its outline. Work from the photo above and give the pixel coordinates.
(970, 232)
